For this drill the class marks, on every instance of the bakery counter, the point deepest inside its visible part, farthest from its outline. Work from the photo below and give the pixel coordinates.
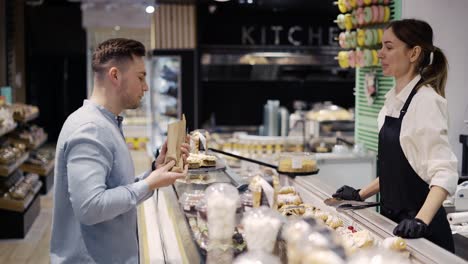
(174, 236)
(314, 191)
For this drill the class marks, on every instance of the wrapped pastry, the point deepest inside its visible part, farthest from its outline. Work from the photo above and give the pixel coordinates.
(287, 190)
(334, 222)
(394, 243)
(257, 257)
(322, 256)
(255, 188)
(222, 200)
(319, 214)
(261, 226)
(293, 233)
(289, 199)
(363, 239)
(194, 162)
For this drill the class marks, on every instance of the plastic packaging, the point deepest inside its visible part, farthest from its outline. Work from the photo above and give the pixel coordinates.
(261, 226)
(298, 162)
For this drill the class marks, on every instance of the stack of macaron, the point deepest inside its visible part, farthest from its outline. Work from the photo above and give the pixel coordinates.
(362, 22)
(358, 58)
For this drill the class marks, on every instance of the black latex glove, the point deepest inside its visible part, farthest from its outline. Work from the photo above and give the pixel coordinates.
(411, 228)
(347, 193)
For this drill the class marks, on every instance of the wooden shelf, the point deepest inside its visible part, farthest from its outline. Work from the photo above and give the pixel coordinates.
(20, 205)
(41, 170)
(6, 170)
(15, 224)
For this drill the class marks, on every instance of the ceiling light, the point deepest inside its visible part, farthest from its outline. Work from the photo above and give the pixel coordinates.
(221, 0)
(149, 9)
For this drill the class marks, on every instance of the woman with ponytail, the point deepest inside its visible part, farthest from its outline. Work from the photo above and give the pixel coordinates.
(417, 168)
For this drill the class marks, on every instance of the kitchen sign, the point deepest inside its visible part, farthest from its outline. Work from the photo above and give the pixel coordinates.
(288, 35)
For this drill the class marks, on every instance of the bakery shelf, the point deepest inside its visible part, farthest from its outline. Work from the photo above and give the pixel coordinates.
(28, 117)
(6, 170)
(32, 145)
(41, 170)
(15, 224)
(20, 205)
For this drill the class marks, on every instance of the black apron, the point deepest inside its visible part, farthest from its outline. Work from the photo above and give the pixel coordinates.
(403, 192)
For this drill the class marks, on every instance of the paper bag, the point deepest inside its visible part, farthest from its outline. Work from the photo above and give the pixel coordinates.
(175, 137)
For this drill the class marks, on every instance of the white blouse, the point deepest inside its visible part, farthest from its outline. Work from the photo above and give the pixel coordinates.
(423, 135)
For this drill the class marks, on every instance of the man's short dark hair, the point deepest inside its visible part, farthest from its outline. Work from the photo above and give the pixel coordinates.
(118, 50)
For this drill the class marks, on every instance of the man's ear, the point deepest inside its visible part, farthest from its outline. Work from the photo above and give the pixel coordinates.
(415, 53)
(114, 75)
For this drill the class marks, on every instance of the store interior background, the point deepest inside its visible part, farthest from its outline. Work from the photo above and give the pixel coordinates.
(49, 55)
(46, 44)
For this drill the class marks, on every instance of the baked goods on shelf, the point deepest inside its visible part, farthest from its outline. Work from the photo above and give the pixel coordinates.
(7, 123)
(40, 161)
(31, 135)
(10, 152)
(17, 191)
(24, 112)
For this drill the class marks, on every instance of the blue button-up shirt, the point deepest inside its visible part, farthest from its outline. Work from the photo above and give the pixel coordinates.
(96, 193)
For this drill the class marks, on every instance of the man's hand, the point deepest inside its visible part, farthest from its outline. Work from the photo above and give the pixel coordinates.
(162, 177)
(347, 193)
(185, 149)
(411, 228)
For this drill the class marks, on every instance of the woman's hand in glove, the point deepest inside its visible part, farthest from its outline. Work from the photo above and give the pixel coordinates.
(411, 228)
(347, 193)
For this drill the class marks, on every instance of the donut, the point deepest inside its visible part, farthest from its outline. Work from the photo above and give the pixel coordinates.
(342, 6)
(360, 3)
(348, 22)
(340, 21)
(387, 14)
(367, 14)
(369, 38)
(361, 37)
(367, 2)
(352, 59)
(386, 2)
(352, 3)
(343, 59)
(376, 37)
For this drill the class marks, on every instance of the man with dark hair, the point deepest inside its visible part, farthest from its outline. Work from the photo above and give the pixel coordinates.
(96, 192)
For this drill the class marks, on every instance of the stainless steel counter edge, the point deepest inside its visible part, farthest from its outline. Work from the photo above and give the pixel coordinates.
(422, 250)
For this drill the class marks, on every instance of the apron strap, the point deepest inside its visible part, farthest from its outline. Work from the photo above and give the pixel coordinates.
(408, 101)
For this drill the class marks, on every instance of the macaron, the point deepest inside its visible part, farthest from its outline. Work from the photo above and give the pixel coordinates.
(352, 59)
(387, 14)
(353, 3)
(348, 22)
(340, 21)
(348, 5)
(367, 2)
(369, 38)
(361, 37)
(352, 40)
(342, 6)
(386, 2)
(375, 58)
(360, 16)
(379, 35)
(367, 58)
(375, 14)
(376, 37)
(367, 15)
(342, 40)
(360, 3)
(343, 59)
(381, 13)
(354, 18)
(359, 58)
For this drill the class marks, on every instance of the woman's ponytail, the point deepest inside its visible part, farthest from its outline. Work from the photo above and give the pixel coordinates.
(434, 73)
